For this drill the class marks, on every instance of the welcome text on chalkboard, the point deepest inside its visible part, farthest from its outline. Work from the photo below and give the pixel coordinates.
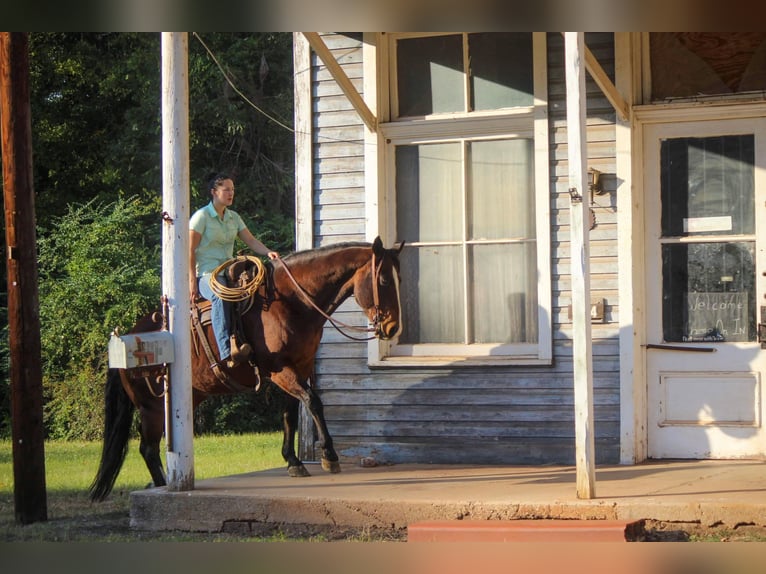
(717, 316)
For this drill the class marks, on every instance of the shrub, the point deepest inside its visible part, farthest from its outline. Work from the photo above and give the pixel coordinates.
(99, 270)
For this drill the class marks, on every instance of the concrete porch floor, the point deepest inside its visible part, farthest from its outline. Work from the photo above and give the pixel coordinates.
(709, 493)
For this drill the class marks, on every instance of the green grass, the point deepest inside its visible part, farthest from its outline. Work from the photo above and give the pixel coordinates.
(71, 466)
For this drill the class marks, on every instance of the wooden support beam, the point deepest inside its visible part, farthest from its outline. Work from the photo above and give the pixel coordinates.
(321, 49)
(605, 84)
(582, 350)
(179, 417)
(607, 87)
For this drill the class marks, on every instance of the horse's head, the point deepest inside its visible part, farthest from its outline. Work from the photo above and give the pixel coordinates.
(376, 289)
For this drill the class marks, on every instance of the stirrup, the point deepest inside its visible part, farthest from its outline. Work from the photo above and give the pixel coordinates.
(239, 353)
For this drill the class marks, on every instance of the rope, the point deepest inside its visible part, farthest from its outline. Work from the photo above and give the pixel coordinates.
(241, 292)
(335, 322)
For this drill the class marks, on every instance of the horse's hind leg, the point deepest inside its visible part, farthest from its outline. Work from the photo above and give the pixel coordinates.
(152, 425)
(289, 426)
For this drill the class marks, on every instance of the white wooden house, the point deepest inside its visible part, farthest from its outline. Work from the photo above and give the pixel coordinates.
(457, 144)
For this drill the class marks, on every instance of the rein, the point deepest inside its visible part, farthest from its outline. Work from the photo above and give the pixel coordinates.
(335, 322)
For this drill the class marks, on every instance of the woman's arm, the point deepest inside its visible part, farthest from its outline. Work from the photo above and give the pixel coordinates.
(194, 240)
(254, 244)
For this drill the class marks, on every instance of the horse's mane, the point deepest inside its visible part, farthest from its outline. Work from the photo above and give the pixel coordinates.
(309, 255)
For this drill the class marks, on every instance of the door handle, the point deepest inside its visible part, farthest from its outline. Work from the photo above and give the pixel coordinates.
(681, 348)
(762, 327)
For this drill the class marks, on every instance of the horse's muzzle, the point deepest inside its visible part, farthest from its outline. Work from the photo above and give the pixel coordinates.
(388, 329)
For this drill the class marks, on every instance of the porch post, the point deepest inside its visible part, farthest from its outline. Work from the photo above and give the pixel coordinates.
(175, 256)
(579, 228)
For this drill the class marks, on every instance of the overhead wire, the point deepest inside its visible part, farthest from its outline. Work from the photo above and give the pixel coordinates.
(239, 92)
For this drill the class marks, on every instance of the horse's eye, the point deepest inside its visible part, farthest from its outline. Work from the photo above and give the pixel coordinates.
(384, 280)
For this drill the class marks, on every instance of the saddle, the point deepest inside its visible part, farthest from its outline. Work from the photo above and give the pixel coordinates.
(239, 283)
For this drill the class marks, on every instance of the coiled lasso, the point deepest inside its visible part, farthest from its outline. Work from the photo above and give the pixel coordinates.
(240, 292)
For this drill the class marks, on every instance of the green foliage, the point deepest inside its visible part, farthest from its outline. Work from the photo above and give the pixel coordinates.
(241, 413)
(98, 271)
(234, 137)
(5, 366)
(96, 117)
(75, 406)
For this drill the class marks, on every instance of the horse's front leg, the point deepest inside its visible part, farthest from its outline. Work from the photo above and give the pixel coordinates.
(289, 383)
(314, 405)
(289, 426)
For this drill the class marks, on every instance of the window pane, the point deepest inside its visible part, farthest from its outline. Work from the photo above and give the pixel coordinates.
(433, 300)
(707, 186)
(501, 70)
(430, 75)
(429, 192)
(708, 292)
(504, 298)
(501, 193)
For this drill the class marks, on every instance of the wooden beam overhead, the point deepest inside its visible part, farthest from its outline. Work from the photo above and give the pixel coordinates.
(605, 84)
(321, 49)
(602, 80)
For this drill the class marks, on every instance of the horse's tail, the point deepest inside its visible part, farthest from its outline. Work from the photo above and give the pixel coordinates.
(118, 419)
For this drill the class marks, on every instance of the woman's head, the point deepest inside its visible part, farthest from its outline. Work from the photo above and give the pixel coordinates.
(221, 188)
(216, 179)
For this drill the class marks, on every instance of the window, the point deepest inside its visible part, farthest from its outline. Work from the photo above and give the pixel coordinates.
(708, 238)
(466, 160)
(431, 73)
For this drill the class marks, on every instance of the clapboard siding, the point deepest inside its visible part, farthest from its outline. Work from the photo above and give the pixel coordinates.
(492, 415)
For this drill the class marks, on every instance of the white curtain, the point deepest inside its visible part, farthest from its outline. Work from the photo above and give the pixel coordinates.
(474, 203)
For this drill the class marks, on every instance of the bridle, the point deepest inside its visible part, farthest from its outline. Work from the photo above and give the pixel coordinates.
(377, 317)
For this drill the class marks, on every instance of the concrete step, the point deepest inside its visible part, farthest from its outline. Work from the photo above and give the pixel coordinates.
(525, 531)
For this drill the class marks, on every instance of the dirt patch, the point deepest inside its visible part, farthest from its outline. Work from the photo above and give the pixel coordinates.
(656, 531)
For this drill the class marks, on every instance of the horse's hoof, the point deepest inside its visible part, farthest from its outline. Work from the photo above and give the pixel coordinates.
(332, 466)
(298, 471)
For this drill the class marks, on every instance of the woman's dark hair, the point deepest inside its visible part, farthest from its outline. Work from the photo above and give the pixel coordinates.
(215, 179)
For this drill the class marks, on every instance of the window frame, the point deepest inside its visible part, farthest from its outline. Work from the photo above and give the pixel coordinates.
(530, 122)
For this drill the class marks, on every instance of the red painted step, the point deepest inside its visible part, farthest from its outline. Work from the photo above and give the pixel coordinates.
(525, 531)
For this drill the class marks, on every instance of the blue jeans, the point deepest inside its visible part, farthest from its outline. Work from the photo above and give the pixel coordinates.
(219, 315)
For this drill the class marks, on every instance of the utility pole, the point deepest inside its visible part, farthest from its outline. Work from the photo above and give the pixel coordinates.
(27, 434)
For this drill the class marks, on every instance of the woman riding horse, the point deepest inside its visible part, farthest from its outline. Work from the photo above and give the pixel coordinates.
(284, 326)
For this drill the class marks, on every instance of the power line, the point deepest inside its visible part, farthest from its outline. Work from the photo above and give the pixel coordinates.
(261, 111)
(237, 90)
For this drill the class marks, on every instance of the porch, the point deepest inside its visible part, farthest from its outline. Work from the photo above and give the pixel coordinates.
(708, 493)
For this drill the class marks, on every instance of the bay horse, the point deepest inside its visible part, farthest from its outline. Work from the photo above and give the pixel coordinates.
(284, 326)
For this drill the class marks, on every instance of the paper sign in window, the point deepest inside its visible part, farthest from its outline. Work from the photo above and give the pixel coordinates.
(707, 224)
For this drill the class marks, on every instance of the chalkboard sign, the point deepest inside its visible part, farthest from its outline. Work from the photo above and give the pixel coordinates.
(717, 317)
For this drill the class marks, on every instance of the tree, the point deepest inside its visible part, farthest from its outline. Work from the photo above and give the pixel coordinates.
(95, 101)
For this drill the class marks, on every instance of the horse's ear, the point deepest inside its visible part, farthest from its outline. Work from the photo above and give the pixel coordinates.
(398, 247)
(377, 246)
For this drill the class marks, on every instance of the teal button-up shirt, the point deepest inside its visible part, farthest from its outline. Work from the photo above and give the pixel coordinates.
(218, 235)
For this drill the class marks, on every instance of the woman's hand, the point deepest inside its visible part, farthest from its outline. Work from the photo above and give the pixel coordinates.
(193, 290)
